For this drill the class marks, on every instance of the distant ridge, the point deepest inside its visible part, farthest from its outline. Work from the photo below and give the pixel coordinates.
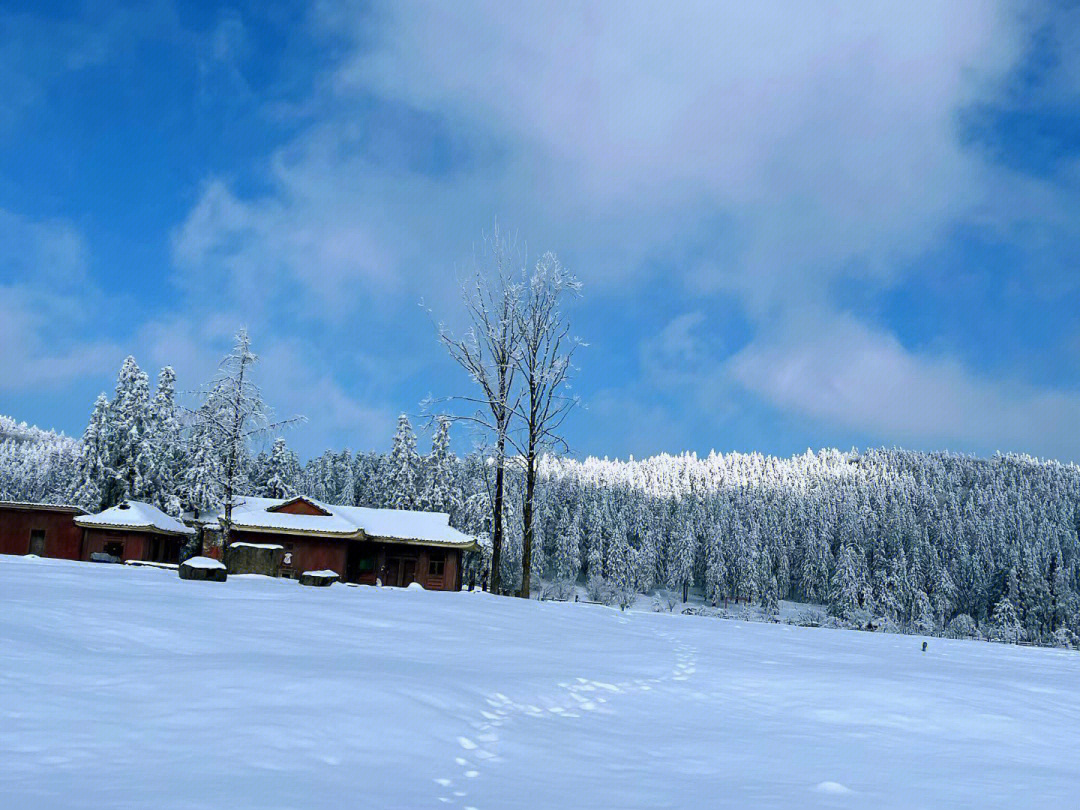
(19, 432)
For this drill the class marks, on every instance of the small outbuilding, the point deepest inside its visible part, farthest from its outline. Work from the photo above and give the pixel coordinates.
(47, 530)
(133, 530)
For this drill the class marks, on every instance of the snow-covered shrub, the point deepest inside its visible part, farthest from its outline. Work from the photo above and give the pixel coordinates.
(858, 619)
(624, 597)
(665, 601)
(807, 617)
(962, 626)
(1064, 639)
(561, 590)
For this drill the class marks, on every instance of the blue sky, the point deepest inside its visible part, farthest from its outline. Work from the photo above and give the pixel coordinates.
(796, 227)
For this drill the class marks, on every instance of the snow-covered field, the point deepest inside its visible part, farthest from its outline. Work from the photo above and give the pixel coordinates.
(126, 687)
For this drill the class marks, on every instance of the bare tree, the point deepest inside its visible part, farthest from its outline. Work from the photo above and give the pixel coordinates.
(488, 352)
(544, 363)
(232, 415)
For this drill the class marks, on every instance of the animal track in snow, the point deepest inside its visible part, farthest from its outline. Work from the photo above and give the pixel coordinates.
(578, 696)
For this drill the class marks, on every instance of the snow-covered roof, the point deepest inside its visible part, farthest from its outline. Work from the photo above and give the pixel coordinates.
(48, 507)
(134, 516)
(347, 522)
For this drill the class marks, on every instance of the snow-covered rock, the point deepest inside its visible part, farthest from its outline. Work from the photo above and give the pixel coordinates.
(204, 568)
(255, 558)
(319, 578)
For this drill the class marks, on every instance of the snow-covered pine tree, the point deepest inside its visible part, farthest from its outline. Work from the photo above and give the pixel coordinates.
(403, 468)
(131, 451)
(92, 473)
(1004, 623)
(814, 573)
(922, 614)
(440, 493)
(566, 561)
(682, 550)
(280, 471)
(166, 446)
(846, 585)
(201, 487)
(346, 480)
(593, 530)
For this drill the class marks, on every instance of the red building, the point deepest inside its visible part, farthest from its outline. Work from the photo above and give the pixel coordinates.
(366, 546)
(132, 531)
(392, 546)
(43, 529)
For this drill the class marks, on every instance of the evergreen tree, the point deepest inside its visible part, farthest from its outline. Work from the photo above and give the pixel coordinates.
(680, 561)
(440, 494)
(280, 468)
(922, 614)
(1004, 624)
(131, 450)
(166, 453)
(92, 473)
(846, 585)
(403, 468)
(201, 488)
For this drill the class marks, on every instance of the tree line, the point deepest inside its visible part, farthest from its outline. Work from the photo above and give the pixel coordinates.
(908, 541)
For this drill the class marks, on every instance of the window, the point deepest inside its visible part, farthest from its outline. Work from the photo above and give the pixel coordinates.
(436, 564)
(115, 549)
(365, 564)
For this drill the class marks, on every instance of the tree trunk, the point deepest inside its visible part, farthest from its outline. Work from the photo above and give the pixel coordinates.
(496, 517)
(226, 524)
(527, 516)
(685, 591)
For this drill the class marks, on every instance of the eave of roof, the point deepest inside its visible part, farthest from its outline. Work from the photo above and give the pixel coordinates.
(130, 527)
(47, 507)
(470, 545)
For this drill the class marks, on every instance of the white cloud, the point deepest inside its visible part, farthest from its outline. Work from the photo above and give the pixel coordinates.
(46, 302)
(845, 373)
(826, 135)
(827, 132)
(823, 137)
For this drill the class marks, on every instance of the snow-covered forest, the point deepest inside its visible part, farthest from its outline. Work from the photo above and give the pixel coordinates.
(908, 541)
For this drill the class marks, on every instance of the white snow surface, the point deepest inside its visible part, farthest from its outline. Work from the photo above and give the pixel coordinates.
(203, 562)
(127, 687)
(135, 515)
(272, 546)
(325, 572)
(401, 524)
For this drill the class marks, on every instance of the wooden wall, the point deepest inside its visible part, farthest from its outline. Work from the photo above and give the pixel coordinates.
(318, 553)
(132, 544)
(62, 537)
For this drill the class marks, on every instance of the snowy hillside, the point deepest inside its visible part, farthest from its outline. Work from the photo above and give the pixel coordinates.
(126, 687)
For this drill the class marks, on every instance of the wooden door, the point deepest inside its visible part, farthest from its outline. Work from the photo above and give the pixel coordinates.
(408, 571)
(392, 571)
(37, 542)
